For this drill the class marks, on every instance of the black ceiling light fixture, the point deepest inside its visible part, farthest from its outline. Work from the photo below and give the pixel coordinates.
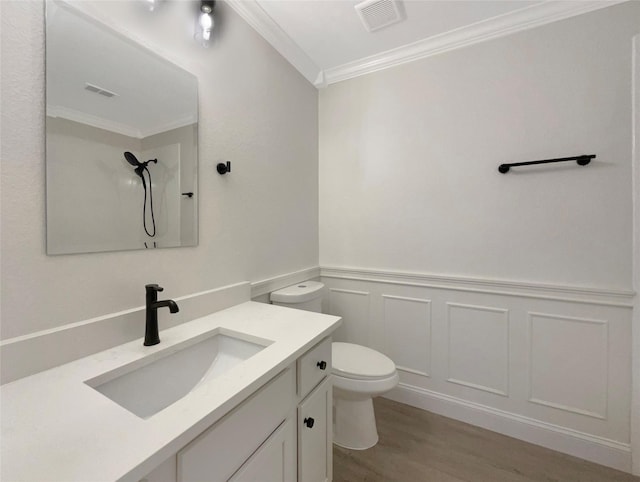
(205, 23)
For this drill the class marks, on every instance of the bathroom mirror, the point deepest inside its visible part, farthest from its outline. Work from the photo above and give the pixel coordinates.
(121, 141)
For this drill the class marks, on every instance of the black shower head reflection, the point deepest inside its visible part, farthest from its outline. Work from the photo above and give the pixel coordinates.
(132, 159)
(140, 168)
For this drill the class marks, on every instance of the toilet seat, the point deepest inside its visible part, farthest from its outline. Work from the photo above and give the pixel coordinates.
(354, 388)
(360, 363)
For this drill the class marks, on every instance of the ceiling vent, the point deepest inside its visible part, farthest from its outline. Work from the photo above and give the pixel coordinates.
(99, 90)
(377, 14)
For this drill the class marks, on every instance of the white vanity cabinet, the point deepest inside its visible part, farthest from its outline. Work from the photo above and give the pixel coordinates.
(221, 450)
(315, 424)
(269, 437)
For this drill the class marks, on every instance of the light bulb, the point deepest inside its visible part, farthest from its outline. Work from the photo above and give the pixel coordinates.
(204, 28)
(204, 24)
(152, 4)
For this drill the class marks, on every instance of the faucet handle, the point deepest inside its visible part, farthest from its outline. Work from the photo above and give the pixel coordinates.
(153, 287)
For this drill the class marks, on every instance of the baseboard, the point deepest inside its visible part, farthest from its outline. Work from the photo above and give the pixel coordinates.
(25, 355)
(262, 287)
(589, 447)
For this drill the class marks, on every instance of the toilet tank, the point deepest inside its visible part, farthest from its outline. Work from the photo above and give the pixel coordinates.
(302, 296)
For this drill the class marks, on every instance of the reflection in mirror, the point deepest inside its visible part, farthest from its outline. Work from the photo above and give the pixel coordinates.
(107, 96)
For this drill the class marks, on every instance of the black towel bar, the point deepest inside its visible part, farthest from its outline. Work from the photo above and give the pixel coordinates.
(582, 160)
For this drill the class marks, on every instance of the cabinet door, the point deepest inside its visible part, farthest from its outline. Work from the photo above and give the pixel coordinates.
(221, 450)
(165, 472)
(275, 460)
(315, 435)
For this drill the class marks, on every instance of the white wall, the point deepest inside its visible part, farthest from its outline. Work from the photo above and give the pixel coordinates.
(260, 221)
(94, 198)
(167, 198)
(186, 137)
(93, 192)
(505, 300)
(409, 157)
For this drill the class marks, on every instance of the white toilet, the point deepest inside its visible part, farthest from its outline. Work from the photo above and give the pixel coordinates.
(359, 374)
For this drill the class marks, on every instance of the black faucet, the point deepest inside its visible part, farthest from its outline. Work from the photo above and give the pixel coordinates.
(151, 335)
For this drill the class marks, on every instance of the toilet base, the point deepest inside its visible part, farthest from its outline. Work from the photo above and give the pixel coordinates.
(354, 423)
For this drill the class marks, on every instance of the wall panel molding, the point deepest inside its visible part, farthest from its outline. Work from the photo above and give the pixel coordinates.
(475, 352)
(419, 339)
(354, 308)
(575, 294)
(592, 369)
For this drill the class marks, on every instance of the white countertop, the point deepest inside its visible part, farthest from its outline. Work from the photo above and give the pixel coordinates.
(54, 427)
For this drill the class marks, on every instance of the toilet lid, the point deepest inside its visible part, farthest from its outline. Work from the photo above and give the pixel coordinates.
(357, 361)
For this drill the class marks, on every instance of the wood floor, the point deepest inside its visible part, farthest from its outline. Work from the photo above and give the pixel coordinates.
(420, 446)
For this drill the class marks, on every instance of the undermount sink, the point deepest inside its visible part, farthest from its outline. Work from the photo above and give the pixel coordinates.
(151, 385)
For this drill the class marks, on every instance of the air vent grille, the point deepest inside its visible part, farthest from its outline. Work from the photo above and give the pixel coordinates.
(377, 14)
(99, 90)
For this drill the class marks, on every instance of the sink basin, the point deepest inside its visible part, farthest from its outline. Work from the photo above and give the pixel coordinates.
(153, 383)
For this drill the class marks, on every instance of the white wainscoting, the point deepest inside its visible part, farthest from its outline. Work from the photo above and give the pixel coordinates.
(579, 389)
(408, 317)
(478, 347)
(355, 305)
(546, 364)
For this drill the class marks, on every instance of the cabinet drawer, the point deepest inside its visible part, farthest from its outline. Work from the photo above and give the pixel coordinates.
(220, 450)
(310, 367)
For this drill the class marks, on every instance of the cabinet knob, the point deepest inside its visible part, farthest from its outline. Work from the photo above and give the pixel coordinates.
(322, 365)
(309, 422)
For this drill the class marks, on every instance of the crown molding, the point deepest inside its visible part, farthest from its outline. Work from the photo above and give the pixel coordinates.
(516, 21)
(499, 26)
(93, 121)
(169, 126)
(256, 17)
(117, 127)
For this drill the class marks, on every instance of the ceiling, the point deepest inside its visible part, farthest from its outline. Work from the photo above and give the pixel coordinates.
(327, 42)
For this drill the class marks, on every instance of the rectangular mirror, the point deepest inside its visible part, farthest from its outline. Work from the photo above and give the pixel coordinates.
(121, 141)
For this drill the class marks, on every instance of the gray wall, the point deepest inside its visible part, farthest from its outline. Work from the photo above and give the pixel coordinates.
(409, 157)
(256, 110)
